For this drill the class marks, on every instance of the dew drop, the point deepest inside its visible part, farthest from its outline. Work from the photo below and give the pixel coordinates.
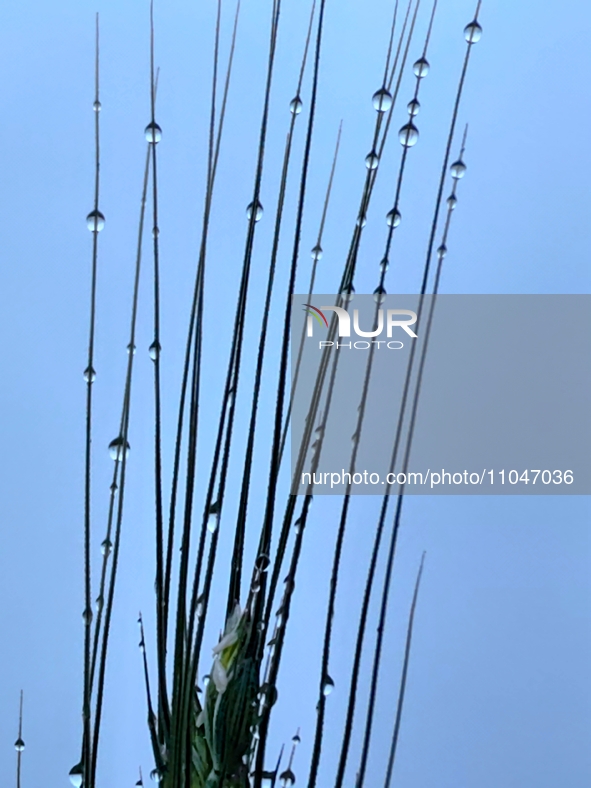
(268, 695)
(348, 292)
(372, 160)
(287, 778)
(421, 67)
(106, 547)
(97, 106)
(116, 449)
(413, 107)
(99, 602)
(297, 526)
(76, 775)
(361, 220)
(95, 221)
(473, 32)
(262, 562)
(316, 252)
(213, 517)
(154, 350)
(393, 218)
(131, 349)
(87, 616)
(19, 745)
(408, 135)
(296, 739)
(458, 169)
(384, 264)
(156, 775)
(295, 105)
(382, 100)
(155, 232)
(379, 294)
(258, 213)
(89, 374)
(199, 609)
(452, 201)
(153, 132)
(267, 779)
(328, 685)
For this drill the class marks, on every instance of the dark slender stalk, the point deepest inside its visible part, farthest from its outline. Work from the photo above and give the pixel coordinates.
(398, 513)
(317, 252)
(402, 690)
(20, 745)
(155, 352)
(121, 460)
(237, 556)
(90, 374)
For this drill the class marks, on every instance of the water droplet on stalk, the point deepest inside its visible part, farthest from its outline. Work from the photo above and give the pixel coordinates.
(442, 251)
(421, 67)
(382, 100)
(106, 546)
(458, 170)
(262, 562)
(89, 374)
(131, 349)
(473, 32)
(413, 107)
(361, 220)
(379, 294)
(287, 778)
(154, 350)
(99, 602)
(97, 106)
(295, 105)
(258, 212)
(372, 160)
(268, 695)
(76, 775)
(267, 779)
(95, 221)
(213, 517)
(452, 201)
(393, 218)
(116, 449)
(87, 616)
(153, 133)
(328, 686)
(156, 775)
(296, 739)
(316, 252)
(384, 264)
(408, 135)
(19, 745)
(348, 292)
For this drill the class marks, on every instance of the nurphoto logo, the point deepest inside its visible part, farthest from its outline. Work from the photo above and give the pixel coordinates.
(394, 318)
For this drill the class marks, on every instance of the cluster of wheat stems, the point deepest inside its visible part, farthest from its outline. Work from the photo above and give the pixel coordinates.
(215, 732)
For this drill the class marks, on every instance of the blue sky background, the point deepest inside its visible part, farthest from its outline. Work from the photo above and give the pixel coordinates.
(499, 689)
